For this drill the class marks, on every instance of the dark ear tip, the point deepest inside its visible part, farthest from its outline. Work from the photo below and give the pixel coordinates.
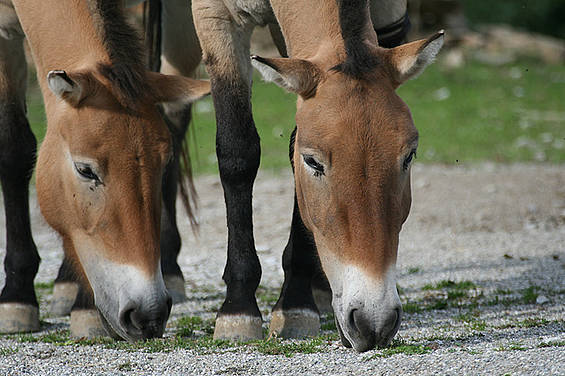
(54, 73)
(259, 59)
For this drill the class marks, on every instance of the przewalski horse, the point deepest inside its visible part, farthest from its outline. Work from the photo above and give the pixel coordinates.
(100, 165)
(351, 153)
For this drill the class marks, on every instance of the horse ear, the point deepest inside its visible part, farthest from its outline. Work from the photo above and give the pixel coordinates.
(295, 75)
(176, 91)
(409, 60)
(71, 87)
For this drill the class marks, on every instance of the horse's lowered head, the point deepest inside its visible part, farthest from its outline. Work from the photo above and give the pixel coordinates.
(99, 185)
(353, 147)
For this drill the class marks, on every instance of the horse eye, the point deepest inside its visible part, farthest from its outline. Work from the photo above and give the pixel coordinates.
(408, 159)
(86, 172)
(314, 164)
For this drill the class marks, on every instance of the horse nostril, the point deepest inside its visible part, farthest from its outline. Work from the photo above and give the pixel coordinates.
(126, 319)
(351, 320)
(169, 305)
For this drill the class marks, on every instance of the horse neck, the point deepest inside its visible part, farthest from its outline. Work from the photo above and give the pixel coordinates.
(312, 27)
(62, 35)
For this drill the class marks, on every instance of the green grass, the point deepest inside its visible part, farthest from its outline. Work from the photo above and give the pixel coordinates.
(275, 346)
(399, 346)
(514, 346)
(504, 114)
(5, 351)
(530, 294)
(187, 325)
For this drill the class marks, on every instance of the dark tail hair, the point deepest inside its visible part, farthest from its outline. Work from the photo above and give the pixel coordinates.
(152, 26)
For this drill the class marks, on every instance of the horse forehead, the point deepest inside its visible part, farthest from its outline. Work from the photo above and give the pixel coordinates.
(363, 114)
(104, 132)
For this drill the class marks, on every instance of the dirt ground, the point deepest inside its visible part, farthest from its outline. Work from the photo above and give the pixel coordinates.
(481, 271)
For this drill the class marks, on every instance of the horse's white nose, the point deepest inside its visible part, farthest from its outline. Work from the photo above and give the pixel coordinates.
(365, 332)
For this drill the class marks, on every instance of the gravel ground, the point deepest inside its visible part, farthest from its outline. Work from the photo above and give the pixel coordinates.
(501, 227)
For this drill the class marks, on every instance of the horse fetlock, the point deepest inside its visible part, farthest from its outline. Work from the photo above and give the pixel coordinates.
(238, 327)
(86, 323)
(18, 318)
(64, 296)
(175, 288)
(323, 299)
(295, 323)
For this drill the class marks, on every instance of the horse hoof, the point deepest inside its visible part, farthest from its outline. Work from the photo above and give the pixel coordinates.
(295, 323)
(86, 323)
(238, 327)
(323, 300)
(175, 288)
(18, 318)
(64, 296)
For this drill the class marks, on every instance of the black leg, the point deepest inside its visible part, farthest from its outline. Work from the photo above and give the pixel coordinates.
(238, 151)
(18, 302)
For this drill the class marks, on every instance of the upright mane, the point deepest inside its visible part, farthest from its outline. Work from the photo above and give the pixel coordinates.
(126, 71)
(353, 18)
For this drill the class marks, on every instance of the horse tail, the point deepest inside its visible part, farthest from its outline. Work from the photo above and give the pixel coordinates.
(187, 190)
(152, 11)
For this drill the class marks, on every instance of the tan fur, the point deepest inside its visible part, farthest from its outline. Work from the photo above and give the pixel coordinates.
(129, 148)
(357, 127)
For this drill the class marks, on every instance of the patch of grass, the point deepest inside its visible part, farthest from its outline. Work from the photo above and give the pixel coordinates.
(187, 325)
(411, 307)
(514, 346)
(551, 344)
(402, 347)
(5, 351)
(328, 323)
(413, 270)
(267, 296)
(127, 366)
(473, 319)
(530, 294)
(44, 285)
(275, 346)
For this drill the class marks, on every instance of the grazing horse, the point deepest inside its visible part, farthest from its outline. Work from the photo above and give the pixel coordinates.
(100, 166)
(351, 152)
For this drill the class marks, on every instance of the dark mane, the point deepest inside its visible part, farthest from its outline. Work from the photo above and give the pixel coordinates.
(353, 16)
(126, 70)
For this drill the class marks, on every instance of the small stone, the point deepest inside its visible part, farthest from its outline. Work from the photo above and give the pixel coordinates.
(542, 299)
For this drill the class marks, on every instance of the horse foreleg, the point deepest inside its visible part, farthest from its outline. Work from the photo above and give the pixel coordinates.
(18, 303)
(225, 47)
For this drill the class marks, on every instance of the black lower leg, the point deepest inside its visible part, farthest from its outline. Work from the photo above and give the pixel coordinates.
(17, 158)
(238, 151)
(300, 260)
(66, 272)
(85, 299)
(300, 264)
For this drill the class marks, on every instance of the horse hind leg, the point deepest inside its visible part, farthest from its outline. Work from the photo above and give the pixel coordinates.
(225, 48)
(19, 310)
(65, 290)
(180, 55)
